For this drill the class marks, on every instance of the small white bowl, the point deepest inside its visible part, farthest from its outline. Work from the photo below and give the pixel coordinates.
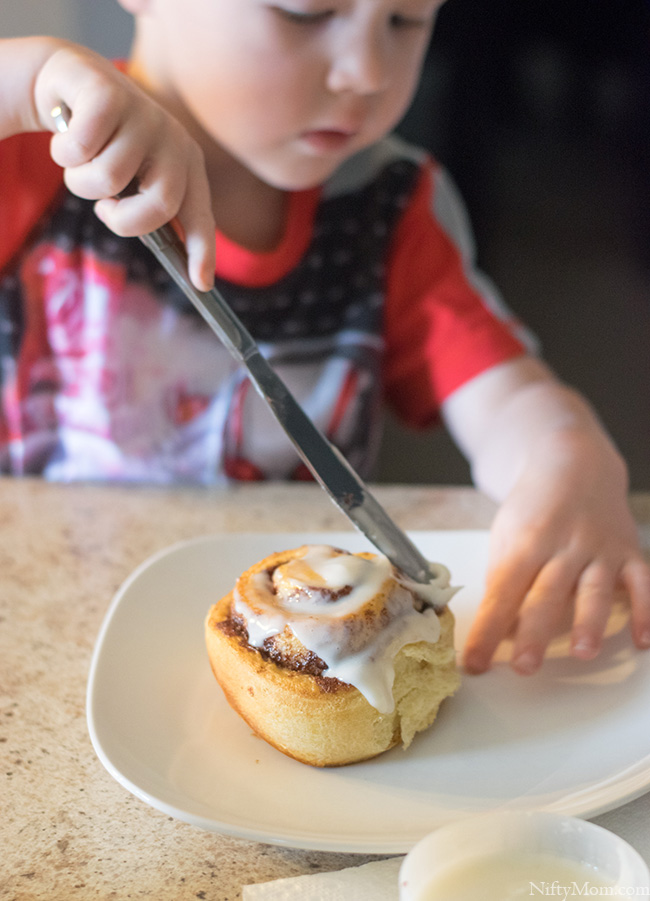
(479, 846)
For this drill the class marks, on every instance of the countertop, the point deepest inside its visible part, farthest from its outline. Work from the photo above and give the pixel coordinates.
(68, 830)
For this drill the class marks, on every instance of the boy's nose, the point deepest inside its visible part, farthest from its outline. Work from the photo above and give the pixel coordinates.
(360, 65)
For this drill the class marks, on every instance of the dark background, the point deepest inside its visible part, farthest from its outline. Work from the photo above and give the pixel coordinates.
(541, 111)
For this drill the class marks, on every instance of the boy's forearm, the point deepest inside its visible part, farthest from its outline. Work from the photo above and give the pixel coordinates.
(21, 60)
(530, 419)
(548, 429)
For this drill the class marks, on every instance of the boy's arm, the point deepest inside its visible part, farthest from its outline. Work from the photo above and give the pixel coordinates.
(564, 536)
(116, 134)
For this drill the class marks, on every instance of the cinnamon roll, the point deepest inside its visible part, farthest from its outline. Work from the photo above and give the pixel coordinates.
(333, 657)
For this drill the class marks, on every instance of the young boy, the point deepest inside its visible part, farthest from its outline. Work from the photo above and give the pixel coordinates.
(344, 251)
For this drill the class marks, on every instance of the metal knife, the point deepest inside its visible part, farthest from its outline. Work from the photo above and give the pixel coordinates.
(324, 460)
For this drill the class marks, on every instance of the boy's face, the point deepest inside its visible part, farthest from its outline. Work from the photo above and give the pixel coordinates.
(290, 88)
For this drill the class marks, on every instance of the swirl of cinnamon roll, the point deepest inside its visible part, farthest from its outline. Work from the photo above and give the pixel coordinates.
(343, 630)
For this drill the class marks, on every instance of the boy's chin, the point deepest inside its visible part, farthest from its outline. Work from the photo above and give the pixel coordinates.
(299, 177)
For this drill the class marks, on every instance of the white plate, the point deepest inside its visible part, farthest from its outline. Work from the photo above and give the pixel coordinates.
(573, 739)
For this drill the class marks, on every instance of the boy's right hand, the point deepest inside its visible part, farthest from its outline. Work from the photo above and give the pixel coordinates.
(116, 134)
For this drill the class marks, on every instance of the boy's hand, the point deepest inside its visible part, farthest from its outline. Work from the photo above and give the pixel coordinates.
(563, 541)
(564, 538)
(117, 134)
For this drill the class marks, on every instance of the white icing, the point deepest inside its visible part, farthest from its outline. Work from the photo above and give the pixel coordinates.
(437, 593)
(356, 648)
(333, 573)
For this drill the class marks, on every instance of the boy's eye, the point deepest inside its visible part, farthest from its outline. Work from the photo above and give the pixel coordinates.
(302, 18)
(399, 21)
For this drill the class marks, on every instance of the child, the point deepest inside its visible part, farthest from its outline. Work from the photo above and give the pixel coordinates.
(344, 251)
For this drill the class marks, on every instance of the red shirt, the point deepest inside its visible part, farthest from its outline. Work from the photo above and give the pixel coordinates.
(426, 318)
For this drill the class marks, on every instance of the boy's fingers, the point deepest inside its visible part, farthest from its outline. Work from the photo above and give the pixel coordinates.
(506, 589)
(161, 185)
(92, 89)
(538, 610)
(108, 143)
(635, 576)
(111, 171)
(197, 223)
(90, 129)
(542, 613)
(201, 261)
(128, 217)
(137, 215)
(169, 191)
(593, 604)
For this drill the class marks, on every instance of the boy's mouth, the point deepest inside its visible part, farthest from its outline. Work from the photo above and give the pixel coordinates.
(327, 140)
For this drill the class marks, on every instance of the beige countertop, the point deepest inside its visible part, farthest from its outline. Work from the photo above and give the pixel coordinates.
(68, 830)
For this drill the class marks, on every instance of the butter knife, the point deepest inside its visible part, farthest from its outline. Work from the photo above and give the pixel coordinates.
(324, 460)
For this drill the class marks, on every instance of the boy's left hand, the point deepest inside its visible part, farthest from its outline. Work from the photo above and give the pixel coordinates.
(564, 539)
(562, 542)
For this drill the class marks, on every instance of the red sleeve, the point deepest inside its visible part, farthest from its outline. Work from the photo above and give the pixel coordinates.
(29, 181)
(444, 322)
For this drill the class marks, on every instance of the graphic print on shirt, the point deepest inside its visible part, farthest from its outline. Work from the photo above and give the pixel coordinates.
(109, 373)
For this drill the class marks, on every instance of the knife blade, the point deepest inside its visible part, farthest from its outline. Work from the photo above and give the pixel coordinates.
(324, 460)
(327, 464)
